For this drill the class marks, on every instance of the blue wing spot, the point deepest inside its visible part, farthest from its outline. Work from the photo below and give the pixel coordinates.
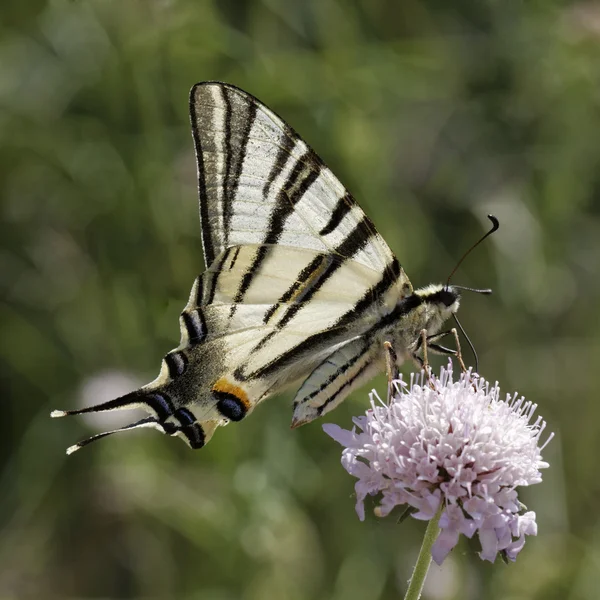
(160, 404)
(184, 416)
(195, 435)
(230, 406)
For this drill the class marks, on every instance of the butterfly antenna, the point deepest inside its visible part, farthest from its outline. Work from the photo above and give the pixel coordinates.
(468, 342)
(495, 226)
(487, 291)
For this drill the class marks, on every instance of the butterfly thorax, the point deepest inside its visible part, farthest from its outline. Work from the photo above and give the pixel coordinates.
(427, 308)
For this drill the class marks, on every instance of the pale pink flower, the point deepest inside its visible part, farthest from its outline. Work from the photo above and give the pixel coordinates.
(450, 443)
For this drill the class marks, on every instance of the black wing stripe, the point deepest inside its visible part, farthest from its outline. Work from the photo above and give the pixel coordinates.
(195, 325)
(302, 176)
(248, 276)
(214, 276)
(340, 371)
(234, 258)
(390, 277)
(176, 363)
(199, 296)
(355, 241)
(305, 274)
(342, 208)
(283, 154)
(347, 384)
(238, 125)
(317, 340)
(207, 241)
(308, 293)
(227, 183)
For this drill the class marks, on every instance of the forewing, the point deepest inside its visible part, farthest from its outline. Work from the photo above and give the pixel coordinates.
(260, 183)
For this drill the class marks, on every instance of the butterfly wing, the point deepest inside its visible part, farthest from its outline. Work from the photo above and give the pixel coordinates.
(295, 272)
(260, 183)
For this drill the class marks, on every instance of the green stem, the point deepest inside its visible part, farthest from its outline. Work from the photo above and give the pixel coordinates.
(415, 587)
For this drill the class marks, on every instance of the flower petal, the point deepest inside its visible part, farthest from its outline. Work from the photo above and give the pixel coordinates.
(442, 546)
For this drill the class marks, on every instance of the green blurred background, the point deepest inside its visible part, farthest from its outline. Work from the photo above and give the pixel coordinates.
(433, 113)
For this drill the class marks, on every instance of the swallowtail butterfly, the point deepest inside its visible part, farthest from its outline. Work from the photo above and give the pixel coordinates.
(299, 287)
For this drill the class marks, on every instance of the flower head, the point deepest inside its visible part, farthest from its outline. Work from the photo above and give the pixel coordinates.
(453, 446)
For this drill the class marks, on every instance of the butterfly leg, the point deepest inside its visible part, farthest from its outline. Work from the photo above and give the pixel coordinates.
(391, 367)
(391, 362)
(423, 344)
(439, 349)
(419, 362)
(458, 351)
(427, 343)
(420, 342)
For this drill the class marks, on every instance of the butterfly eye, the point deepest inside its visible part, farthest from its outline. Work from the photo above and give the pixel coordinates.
(447, 298)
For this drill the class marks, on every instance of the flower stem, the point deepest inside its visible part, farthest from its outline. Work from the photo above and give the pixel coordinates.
(415, 587)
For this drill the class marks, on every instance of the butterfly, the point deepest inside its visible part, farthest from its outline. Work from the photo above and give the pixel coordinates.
(299, 286)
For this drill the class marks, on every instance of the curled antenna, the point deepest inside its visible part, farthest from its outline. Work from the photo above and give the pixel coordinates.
(468, 342)
(495, 226)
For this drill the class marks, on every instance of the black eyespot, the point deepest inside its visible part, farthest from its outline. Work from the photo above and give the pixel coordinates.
(230, 406)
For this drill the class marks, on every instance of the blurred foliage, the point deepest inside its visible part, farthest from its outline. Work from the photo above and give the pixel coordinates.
(433, 113)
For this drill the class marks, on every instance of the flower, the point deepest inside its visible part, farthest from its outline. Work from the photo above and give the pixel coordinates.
(453, 446)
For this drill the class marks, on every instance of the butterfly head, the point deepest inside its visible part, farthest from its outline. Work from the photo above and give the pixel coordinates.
(440, 303)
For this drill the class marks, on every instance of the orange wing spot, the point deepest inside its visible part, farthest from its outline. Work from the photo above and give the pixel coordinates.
(222, 385)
